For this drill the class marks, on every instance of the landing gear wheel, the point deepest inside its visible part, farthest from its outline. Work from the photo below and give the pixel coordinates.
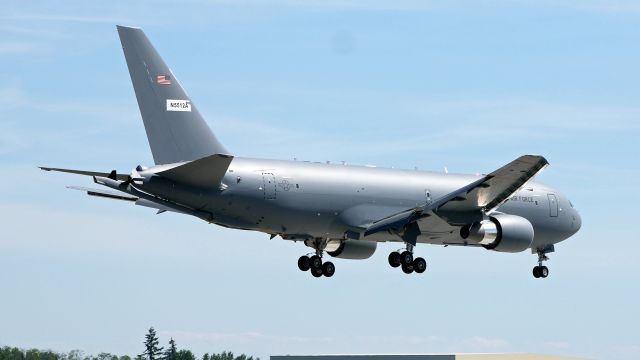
(540, 271)
(315, 262)
(419, 265)
(316, 272)
(328, 269)
(394, 259)
(543, 271)
(536, 272)
(303, 263)
(407, 269)
(406, 258)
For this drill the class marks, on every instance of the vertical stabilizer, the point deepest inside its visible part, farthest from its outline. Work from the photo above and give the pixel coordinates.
(175, 129)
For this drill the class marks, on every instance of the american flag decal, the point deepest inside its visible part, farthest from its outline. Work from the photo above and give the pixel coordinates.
(163, 79)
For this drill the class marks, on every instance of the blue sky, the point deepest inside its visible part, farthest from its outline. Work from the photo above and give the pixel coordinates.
(467, 85)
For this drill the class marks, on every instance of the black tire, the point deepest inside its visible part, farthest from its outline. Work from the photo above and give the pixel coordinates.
(406, 258)
(419, 265)
(315, 262)
(303, 263)
(394, 259)
(536, 272)
(407, 269)
(328, 269)
(544, 271)
(316, 272)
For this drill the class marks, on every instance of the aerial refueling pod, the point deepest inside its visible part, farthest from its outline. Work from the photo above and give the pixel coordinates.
(502, 232)
(351, 249)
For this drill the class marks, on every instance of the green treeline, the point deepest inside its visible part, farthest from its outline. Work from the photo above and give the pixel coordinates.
(152, 351)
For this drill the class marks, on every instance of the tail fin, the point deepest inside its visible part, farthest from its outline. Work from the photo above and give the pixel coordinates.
(175, 129)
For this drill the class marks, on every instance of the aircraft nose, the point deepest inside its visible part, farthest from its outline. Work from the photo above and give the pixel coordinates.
(577, 221)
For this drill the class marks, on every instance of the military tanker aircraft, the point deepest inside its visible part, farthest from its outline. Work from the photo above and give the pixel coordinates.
(341, 210)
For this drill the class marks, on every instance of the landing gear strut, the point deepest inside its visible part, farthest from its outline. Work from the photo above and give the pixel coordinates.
(405, 260)
(541, 271)
(315, 265)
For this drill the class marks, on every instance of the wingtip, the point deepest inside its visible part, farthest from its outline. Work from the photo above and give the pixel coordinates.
(541, 159)
(43, 168)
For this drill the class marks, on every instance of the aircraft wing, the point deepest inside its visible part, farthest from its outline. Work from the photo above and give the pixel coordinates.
(482, 195)
(499, 185)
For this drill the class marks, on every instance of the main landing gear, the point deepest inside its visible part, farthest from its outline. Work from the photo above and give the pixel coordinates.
(316, 266)
(406, 261)
(541, 271)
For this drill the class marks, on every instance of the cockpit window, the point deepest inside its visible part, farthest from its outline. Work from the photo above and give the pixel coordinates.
(570, 203)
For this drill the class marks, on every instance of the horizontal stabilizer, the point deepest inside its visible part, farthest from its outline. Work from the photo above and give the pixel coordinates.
(154, 205)
(206, 173)
(119, 195)
(112, 175)
(111, 194)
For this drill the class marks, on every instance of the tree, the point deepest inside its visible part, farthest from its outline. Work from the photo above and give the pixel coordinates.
(185, 355)
(170, 353)
(49, 355)
(152, 351)
(75, 355)
(9, 353)
(32, 354)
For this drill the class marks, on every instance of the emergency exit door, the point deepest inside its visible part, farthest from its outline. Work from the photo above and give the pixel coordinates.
(269, 186)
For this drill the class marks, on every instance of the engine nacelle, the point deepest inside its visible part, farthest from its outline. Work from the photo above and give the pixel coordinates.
(351, 249)
(502, 232)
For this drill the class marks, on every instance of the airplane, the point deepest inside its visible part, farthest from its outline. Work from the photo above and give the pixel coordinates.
(340, 210)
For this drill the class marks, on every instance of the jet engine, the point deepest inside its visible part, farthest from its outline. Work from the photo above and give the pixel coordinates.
(351, 249)
(502, 232)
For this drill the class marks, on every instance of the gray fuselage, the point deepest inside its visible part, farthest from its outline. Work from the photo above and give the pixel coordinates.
(300, 200)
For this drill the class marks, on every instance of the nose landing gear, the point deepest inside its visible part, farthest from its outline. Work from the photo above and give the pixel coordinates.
(407, 262)
(541, 271)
